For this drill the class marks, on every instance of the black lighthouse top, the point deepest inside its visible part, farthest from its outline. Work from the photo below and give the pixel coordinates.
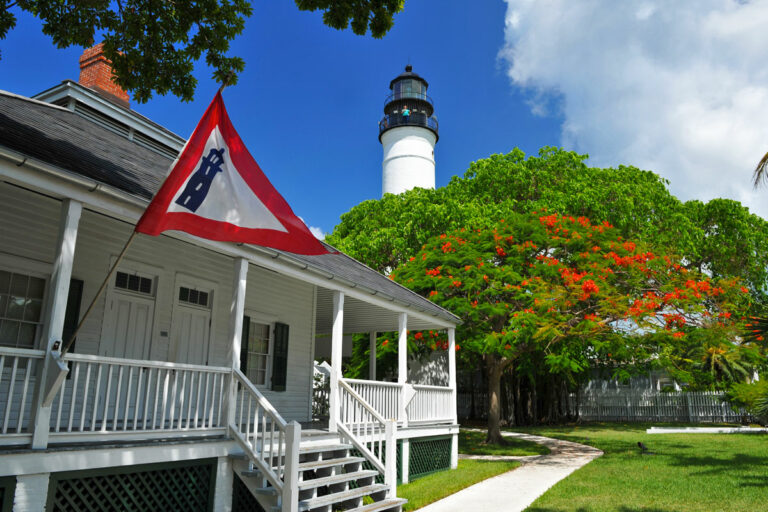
(408, 104)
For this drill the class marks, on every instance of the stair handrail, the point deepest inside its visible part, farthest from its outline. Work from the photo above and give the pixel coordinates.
(274, 461)
(376, 431)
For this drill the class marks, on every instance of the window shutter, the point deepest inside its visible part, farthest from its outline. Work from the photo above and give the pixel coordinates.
(72, 313)
(280, 358)
(244, 345)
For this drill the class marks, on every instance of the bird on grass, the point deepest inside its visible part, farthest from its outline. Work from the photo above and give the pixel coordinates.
(644, 449)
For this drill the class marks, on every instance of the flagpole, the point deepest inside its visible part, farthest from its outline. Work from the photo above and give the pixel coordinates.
(98, 293)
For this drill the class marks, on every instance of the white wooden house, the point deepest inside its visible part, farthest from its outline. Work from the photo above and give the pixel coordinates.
(190, 381)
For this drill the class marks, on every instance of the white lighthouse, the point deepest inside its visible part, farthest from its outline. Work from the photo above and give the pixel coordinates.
(408, 133)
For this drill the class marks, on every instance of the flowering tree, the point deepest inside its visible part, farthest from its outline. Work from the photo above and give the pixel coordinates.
(567, 292)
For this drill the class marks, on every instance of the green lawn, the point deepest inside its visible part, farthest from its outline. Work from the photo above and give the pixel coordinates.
(430, 488)
(688, 473)
(472, 443)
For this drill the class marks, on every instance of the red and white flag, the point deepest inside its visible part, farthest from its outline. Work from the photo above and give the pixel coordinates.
(216, 190)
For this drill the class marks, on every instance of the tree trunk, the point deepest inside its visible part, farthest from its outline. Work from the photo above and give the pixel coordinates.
(494, 402)
(534, 403)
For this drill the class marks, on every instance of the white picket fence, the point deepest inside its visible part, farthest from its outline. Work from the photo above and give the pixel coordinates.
(631, 405)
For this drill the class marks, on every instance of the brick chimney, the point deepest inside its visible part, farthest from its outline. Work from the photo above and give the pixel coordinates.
(96, 74)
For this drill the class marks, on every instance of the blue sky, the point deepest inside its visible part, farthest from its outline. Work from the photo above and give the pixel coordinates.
(680, 88)
(308, 103)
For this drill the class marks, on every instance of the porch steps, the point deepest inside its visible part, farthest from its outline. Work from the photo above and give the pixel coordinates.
(382, 506)
(319, 464)
(337, 479)
(342, 497)
(330, 480)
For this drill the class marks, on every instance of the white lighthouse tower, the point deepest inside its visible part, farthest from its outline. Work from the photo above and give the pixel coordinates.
(408, 133)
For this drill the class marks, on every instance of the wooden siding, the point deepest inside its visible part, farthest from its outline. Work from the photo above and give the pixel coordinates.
(28, 233)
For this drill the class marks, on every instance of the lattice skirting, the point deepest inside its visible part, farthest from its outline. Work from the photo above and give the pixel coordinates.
(367, 465)
(164, 487)
(242, 499)
(7, 490)
(429, 456)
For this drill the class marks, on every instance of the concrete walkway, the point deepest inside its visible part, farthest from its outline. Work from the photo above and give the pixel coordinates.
(516, 490)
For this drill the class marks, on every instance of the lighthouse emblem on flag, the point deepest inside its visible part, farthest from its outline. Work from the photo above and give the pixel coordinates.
(216, 190)
(200, 183)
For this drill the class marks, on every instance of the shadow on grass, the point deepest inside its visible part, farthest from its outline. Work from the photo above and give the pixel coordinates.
(716, 466)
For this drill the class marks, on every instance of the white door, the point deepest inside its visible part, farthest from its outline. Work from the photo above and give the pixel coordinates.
(191, 334)
(191, 325)
(131, 327)
(130, 315)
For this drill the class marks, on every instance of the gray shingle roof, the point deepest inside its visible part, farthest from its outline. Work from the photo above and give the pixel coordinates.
(68, 141)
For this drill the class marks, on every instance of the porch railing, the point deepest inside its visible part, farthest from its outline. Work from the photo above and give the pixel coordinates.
(105, 395)
(18, 368)
(270, 443)
(431, 404)
(384, 397)
(373, 436)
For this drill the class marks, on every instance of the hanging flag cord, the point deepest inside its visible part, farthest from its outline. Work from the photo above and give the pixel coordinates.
(98, 293)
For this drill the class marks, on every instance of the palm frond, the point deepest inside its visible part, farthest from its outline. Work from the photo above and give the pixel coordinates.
(761, 172)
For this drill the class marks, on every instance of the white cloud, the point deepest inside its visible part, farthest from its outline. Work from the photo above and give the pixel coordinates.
(680, 88)
(318, 232)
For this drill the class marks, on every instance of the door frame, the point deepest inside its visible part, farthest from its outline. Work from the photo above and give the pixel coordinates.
(191, 281)
(108, 319)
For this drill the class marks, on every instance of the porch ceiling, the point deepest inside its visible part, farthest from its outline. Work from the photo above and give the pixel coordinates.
(361, 316)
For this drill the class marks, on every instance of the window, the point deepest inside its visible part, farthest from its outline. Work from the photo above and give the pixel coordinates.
(264, 353)
(255, 349)
(194, 297)
(134, 283)
(21, 307)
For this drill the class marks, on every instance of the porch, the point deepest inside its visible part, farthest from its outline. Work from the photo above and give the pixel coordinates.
(133, 380)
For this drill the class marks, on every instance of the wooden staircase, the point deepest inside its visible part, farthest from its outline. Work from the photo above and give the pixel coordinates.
(331, 478)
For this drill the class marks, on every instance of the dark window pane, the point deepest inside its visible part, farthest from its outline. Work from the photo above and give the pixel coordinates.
(146, 285)
(3, 304)
(26, 336)
(193, 296)
(5, 281)
(184, 294)
(32, 311)
(16, 307)
(121, 281)
(8, 332)
(203, 299)
(133, 283)
(19, 285)
(36, 288)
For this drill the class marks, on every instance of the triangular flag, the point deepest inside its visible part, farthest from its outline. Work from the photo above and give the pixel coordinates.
(216, 190)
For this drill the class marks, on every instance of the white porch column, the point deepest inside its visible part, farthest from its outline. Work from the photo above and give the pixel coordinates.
(372, 356)
(402, 348)
(31, 492)
(53, 325)
(236, 308)
(452, 385)
(402, 364)
(337, 334)
(222, 494)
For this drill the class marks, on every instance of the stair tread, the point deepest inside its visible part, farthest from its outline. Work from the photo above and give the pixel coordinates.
(380, 505)
(317, 464)
(336, 479)
(338, 497)
(334, 447)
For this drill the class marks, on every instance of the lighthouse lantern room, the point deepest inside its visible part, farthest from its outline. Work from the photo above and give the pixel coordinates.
(408, 133)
